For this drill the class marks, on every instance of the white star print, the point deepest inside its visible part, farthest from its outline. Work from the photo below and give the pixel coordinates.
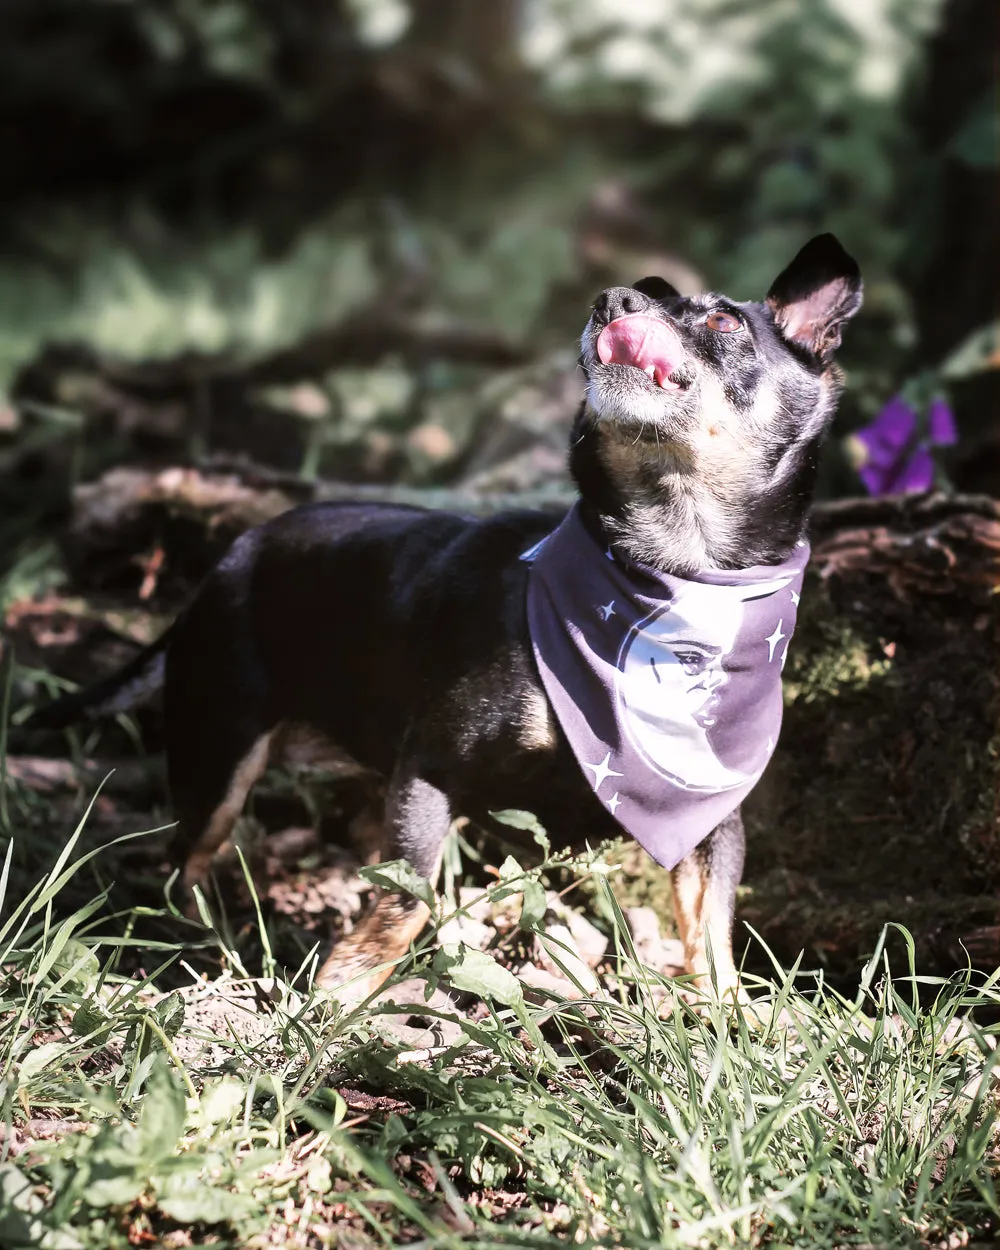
(770, 744)
(795, 597)
(773, 641)
(784, 657)
(614, 803)
(602, 772)
(607, 610)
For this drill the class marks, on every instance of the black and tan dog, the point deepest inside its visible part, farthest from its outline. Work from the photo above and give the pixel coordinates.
(399, 637)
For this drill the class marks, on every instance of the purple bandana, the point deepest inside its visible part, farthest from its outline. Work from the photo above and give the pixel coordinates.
(668, 688)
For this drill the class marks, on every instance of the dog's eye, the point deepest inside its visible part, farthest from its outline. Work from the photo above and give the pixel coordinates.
(724, 322)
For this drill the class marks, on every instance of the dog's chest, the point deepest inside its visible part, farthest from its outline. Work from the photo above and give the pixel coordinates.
(547, 783)
(537, 728)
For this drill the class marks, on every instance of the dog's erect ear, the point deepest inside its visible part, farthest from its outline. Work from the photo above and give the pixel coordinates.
(815, 295)
(656, 288)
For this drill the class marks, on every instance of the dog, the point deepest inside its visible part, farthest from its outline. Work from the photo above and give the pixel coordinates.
(461, 660)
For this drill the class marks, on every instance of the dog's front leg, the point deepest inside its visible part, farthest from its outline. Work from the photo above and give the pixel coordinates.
(704, 887)
(418, 816)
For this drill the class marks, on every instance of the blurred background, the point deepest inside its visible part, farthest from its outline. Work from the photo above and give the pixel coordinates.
(356, 239)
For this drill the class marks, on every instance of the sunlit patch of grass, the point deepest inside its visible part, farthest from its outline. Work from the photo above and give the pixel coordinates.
(629, 1119)
(142, 291)
(154, 297)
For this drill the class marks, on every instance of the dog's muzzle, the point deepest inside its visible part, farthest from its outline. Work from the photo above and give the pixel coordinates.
(644, 342)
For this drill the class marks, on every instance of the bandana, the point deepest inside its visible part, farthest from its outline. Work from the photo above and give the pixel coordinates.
(668, 688)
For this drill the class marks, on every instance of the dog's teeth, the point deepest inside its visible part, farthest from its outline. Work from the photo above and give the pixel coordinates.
(650, 370)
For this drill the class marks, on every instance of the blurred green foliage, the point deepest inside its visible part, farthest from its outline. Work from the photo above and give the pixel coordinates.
(224, 176)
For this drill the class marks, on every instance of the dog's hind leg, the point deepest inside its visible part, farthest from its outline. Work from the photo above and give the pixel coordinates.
(417, 819)
(209, 794)
(704, 889)
(218, 724)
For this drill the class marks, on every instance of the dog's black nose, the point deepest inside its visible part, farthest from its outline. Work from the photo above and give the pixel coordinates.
(617, 301)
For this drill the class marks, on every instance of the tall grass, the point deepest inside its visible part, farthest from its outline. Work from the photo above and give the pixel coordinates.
(636, 1118)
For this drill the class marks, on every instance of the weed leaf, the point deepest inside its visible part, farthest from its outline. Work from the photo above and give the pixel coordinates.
(477, 972)
(399, 876)
(514, 818)
(534, 905)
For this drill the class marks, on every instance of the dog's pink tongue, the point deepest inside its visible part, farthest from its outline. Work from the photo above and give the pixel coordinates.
(645, 342)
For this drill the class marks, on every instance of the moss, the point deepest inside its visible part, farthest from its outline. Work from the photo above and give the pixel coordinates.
(980, 833)
(833, 660)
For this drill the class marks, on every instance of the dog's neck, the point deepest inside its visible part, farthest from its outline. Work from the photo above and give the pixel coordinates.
(656, 513)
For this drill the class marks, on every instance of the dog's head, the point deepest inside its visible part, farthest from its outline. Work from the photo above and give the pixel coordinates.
(704, 416)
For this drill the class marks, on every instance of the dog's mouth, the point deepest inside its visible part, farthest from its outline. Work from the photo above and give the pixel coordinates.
(645, 343)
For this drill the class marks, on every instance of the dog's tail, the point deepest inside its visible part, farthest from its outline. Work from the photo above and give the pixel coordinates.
(131, 686)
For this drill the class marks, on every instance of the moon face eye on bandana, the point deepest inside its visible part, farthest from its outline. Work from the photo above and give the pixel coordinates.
(668, 688)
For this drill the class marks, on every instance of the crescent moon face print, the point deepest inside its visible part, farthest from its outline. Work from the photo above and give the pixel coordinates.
(667, 688)
(672, 678)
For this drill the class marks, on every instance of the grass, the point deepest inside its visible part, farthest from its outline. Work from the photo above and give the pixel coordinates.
(134, 1117)
(251, 1111)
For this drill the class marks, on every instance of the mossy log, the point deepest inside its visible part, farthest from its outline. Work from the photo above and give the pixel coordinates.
(185, 518)
(882, 802)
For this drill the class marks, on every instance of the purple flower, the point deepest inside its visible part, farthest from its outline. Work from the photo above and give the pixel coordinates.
(891, 456)
(941, 429)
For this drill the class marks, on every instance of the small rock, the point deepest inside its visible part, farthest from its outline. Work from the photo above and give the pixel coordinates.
(557, 952)
(500, 916)
(664, 955)
(433, 441)
(288, 846)
(465, 929)
(411, 993)
(588, 940)
(549, 983)
(475, 901)
(415, 1027)
(644, 925)
(396, 1027)
(436, 1034)
(10, 419)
